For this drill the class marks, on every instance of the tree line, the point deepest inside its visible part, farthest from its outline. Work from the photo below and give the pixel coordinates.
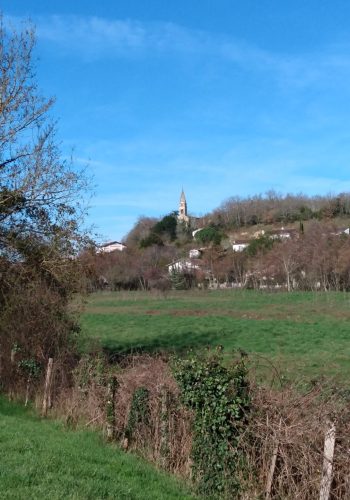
(316, 256)
(273, 207)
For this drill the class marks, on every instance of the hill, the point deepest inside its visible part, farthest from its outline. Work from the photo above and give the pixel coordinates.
(272, 241)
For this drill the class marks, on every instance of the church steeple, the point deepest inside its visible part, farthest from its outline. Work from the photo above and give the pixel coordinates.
(183, 217)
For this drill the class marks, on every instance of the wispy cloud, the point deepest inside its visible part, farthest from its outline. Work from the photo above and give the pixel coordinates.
(96, 37)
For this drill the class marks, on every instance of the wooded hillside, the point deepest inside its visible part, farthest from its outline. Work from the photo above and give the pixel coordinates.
(264, 241)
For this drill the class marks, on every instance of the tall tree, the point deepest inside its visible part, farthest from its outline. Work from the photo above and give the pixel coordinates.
(40, 216)
(39, 206)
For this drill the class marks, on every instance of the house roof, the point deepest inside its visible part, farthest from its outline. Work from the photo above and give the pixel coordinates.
(110, 243)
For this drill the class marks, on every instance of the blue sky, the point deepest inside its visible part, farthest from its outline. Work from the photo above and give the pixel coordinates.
(222, 97)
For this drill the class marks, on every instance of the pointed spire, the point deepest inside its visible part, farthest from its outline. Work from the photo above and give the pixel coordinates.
(183, 217)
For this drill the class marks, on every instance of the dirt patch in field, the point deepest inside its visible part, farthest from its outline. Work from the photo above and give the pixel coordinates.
(218, 312)
(267, 314)
(113, 310)
(192, 312)
(338, 315)
(254, 315)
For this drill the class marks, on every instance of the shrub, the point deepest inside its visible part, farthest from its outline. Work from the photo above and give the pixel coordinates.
(218, 397)
(261, 244)
(167, 226)
(151, 239)
(35, 324)
(139, 411)
(209, 235)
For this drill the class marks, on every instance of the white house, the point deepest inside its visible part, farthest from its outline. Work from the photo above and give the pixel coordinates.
(284, 234)
(239, 246)
(281, 235)
(111, 246)
(184, 265)
(194, 253)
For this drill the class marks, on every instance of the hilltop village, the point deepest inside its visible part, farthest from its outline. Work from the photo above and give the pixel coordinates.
(272, 241)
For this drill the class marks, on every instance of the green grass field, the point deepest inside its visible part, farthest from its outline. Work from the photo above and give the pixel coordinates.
(40, 459)
(304, 334)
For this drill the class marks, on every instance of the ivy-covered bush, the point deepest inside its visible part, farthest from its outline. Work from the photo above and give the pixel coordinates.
(219, 397)
(91, 370)
(262, 244)
(139, 411)
(208, 235)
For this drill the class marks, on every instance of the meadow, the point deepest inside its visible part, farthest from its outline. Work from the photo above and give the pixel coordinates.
(45, 460)
(299, 335)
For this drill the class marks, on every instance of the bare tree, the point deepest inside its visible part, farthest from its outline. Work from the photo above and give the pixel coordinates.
(285, 256)
(40, 215)
(39, 193)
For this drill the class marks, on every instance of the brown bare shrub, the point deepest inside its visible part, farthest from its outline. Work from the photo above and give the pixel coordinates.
(154, 374)
(86, 403)
(295, 424)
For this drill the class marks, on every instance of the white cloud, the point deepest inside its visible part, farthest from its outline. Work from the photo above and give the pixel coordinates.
(96, 37)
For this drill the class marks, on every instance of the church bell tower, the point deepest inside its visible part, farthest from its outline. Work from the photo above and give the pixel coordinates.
(183, 217)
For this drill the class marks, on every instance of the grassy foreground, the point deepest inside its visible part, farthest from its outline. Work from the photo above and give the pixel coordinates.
(42, 460)
(302, 333)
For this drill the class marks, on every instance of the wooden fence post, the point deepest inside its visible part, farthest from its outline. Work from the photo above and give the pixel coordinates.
(164, 423)
(271, 470)
(272, 466)
(13, 355)
(329, 443)
(47, 389)
(27, 390)
(110, 407)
